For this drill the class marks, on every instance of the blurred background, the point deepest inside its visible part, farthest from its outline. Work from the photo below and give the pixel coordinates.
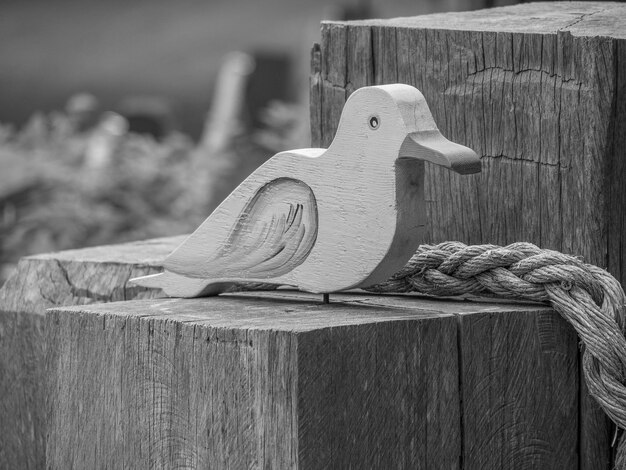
(128, 120)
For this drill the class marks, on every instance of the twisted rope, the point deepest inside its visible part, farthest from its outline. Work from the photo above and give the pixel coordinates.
(588, 297)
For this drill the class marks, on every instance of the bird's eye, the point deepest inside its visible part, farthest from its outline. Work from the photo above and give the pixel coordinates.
(374, 122)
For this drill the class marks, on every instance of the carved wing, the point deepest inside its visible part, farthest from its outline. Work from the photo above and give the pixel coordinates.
(273, 234)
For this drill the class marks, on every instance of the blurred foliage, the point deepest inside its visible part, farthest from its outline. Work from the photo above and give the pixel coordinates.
(64, 187)
(283, 127)
(52, 197)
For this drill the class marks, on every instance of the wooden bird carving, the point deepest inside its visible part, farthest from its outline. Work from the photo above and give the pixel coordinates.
(324, 220)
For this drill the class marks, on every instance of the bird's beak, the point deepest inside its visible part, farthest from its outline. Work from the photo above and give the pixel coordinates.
(431, 146)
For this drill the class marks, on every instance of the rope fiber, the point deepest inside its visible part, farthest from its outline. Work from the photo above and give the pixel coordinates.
(588, 297)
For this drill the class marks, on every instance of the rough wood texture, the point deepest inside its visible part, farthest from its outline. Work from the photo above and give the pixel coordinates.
(67, 278)
(283, 381)
(324, 220)
(506, 380)
(512, 83)
(539, 91)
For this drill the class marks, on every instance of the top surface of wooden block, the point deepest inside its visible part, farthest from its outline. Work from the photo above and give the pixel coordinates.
(86, 275)
(150, 252)
(578, 18)
(296, 311)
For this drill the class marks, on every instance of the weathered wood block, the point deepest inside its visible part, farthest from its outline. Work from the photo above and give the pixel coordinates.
(71, 277)
(539, 92)
(282, 380)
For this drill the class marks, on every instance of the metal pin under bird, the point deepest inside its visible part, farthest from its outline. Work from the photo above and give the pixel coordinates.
(324, 220)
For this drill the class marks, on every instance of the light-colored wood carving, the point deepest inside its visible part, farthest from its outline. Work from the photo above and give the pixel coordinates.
(324, 220)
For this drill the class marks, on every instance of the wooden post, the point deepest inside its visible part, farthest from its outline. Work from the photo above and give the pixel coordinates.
(539, 92)
(282, 380)
(42, 281)
(514, 84)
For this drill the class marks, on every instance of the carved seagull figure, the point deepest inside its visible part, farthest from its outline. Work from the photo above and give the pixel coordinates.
(324, 220)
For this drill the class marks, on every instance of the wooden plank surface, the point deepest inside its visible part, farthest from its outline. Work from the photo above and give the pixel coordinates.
(511, 365)
(281, 380)
(72, 277)
(535, 89)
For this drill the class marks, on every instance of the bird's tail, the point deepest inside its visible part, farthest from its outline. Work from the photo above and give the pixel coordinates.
(176, 285)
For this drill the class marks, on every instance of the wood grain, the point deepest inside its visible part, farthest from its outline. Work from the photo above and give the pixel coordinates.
(324, 220)
(538, 90)
(281, 380)
(71, 277)
(519, 386)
